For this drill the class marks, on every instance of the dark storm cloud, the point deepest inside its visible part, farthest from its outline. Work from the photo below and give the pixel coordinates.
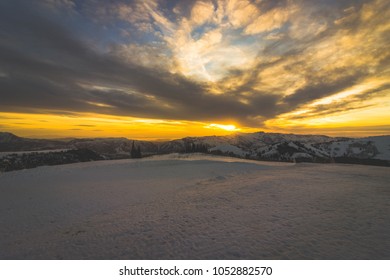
(46, 68)
(355, 102)
(319, 90)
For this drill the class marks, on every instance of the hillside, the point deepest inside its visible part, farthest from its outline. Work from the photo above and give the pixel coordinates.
(257, 146)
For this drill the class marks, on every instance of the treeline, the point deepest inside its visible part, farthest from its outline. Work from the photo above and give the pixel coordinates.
(31, 160)
(135, 151)
(364, 161)
(195, 148)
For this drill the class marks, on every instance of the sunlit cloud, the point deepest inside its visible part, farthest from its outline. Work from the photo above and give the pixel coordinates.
(100, 104)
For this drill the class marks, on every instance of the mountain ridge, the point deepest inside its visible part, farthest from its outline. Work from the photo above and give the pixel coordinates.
(260, 145)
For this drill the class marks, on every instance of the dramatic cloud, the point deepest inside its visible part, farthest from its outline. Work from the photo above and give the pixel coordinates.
(251, 62)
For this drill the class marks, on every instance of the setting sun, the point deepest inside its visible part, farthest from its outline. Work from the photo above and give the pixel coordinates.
(228, 127)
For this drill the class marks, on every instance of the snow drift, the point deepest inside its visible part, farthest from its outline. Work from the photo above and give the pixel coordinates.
(195, 207)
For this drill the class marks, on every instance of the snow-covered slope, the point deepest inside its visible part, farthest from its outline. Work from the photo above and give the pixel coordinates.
(371, 147)
(288, 147)
(183, 206)
(259, 146)
(12, 143)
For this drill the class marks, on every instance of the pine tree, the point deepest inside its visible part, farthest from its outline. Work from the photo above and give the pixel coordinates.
(139, 155)
(133, 152)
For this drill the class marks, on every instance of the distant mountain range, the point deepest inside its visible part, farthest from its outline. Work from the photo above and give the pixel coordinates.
(258, 146)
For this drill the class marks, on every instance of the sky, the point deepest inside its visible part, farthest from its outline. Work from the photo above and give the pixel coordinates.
(156, 69)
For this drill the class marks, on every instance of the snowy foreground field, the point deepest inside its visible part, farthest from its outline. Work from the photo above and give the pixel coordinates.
(195, 207)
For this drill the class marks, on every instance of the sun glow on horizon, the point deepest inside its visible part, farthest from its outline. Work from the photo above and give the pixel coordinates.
(85, 125)
(227, 127)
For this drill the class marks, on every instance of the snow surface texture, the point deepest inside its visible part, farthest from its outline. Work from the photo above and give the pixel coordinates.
(195, 207)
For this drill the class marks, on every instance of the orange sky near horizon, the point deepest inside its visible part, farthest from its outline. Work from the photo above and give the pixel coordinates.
(100, 126)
